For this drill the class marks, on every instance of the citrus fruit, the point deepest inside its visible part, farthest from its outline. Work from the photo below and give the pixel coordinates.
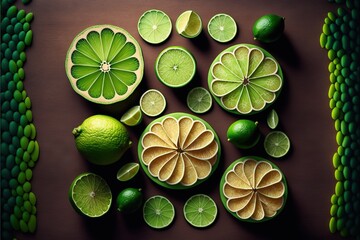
(268, 28)
(104, 64)
(152, 103)
(243, 133)
(101, 139)
(277, 144)
(245, 79)
(175, 66)
(189, 24)
(154, 26)
(127, 171)
(199, 100)
(90, 195)
(272, 119)
(158, 212)
(129, 200)
(200, 210)
(253, 189)
(132, 117)
(222, 28)
(179, 151)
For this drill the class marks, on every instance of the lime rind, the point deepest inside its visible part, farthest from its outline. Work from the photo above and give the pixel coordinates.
(149, 105)
(200, 210)
(158, 212)
(154, 26)
(222, 28)
(277, 144)
(199, 100)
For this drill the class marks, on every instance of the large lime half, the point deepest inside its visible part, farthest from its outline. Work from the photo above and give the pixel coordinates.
(154, 26)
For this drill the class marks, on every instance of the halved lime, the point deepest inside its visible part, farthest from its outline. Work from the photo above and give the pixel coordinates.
(199, 100)
(222, 28)
(104, 64)
(277, 144)
(175, 66)
(132, 117)
(127, 171)
(90, 195)
(154, 26)
(189, 24)
(158, 212)
(152, 103)
(200, 210)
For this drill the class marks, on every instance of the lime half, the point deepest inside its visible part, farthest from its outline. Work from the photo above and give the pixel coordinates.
(90, 195)
(127, 171)
(200, 210)
(132, 117)
(152, 103)
(222, 28)
(158, 212)
(277, 144)
(199, 100)
(189, 24)
(154, 26)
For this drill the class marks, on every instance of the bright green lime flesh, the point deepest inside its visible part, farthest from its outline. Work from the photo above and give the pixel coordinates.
(199, 100)
(277, 144)
(222, 28)
(154, 26)
(132, 117)
(189, 24)
(158, 212)
(127, 171)
(152, 103)
(200, 210)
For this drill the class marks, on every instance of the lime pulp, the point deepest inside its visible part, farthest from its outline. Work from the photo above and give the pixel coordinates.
(152, 103)
(158, 212)
(154, 26)
(222, 28)
(200, 210)
(199, 100)
(277, 144)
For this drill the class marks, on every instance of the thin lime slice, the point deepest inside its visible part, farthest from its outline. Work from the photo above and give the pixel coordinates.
(152, 103)
(277, 144)
(222, 28)
(199, 100)
(154, 26)
(200, 210)
(90, 195)
(189, 24)
(127, 171)
(158, 212)
(132, 117)
(175, 66)
(272, 119)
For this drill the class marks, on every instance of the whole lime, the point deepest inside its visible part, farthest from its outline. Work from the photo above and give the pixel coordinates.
(268, 28)
(129, 200)
(102, 139)
(243, 133)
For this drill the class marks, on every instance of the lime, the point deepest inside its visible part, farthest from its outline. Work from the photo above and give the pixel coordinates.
(154, 26)
(222, 28)
(152, 102)
(189, 24)
(199, 100)
(104, 64)
(268, 28)
(129, 200)
(175, 66)
(127, 171)
(90, 195)
(272, 119)
(277, 144)
(132, 117)
(243, 133)
(200, 210)
(158, 212)
(102, 139)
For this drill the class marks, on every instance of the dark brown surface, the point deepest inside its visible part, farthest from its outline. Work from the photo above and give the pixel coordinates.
(302, 108)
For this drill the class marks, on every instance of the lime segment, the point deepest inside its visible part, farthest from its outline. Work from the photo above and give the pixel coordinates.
(272, 119)
(132, 117)
(152, 103)
(200, 210)
(189, 24)
(277, 144)
(127, 171)
(154, 26)
(222, 28)
(199, 100)
(158, 212)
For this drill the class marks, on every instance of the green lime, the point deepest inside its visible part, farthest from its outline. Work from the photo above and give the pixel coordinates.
(199, 100)
(243, 133)
(102, 139)
(222, 28)
(152, 102)
(175, 66)
(272, 119)
(189, 24)
(90, 195)
(129, 200)
(132, 117)
(127, 171)
(268, 28)
(104, 64)
(158, 212)
(277, 144)
(154, 26)
(200, 210)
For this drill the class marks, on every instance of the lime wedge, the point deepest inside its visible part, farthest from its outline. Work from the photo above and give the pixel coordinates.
(199, 100)
(272, 119)
(158, 212)
(277, 144)
(132, 117)
(222, 28)
(200, 210)
(154, 26)
(90, 195)
(127, 171)
(152, 103)
(189, 24)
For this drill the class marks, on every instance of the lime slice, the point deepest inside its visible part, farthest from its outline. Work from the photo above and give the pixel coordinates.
(200, 210)
(277, 144)
(199, 100)
(158, 212)
(132, 117)
(152, 103)
(127, 171)
(154, 26)
(104, 64)
(272, 119)
(175, 66)
(189, 24)
(222, 28)
(90, 195)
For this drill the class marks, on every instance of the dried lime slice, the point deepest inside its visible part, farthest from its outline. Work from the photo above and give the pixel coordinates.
(154, 26)
(152, 102)
(132, 117)
(222, 28)
(199, 100)
(200, 210)
(158, 212)
(127, 171)
(277, 144)
(189, 24)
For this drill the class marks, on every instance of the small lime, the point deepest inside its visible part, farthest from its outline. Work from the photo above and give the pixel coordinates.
(132, 117)
(277, 144)
(268, 28)
(189, 24)
(154, 26)
(158, 212)
(222, 28)
(127, 171)
(243, 133)
(152, 102)
(199, 100)
(129, 200)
